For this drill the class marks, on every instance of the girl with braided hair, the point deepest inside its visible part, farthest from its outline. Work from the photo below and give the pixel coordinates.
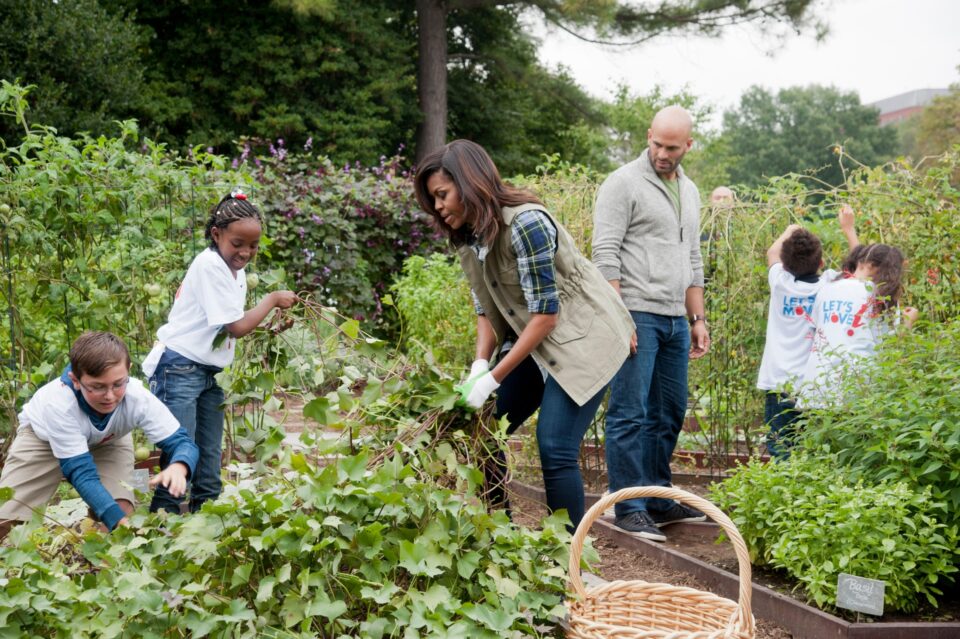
(850, 316)
(198, 340)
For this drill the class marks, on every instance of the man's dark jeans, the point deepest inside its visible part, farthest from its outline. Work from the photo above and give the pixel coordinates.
(648, 403)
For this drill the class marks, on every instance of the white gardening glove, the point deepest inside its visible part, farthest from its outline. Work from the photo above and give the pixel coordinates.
(479, 367)
(475, 391)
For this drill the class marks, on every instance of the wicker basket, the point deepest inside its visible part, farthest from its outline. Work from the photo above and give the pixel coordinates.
(641, 610)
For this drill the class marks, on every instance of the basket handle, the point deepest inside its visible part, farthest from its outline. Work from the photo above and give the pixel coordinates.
(663, 492)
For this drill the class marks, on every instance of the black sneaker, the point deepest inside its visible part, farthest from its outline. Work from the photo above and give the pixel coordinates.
(640, 524)
(676, 514)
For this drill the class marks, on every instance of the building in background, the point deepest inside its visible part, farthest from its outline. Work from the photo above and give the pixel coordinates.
(900, 107)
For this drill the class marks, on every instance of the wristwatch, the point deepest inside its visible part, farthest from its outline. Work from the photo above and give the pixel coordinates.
(697, 318)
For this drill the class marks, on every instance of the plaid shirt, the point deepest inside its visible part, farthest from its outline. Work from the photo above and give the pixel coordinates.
(534, 240)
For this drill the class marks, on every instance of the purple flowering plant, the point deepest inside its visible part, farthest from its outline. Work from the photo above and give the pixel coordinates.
(342, 232)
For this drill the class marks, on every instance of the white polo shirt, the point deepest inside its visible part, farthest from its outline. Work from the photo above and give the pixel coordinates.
(209, 297)
(55, 416)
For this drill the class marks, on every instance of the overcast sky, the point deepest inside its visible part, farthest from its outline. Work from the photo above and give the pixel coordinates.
(878, 48)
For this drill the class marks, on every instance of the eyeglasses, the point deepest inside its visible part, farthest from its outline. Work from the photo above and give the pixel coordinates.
(99, 390)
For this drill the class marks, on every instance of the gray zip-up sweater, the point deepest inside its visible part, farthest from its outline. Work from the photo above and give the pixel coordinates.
(640, 239)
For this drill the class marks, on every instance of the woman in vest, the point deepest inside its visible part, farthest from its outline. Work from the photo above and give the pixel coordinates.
(559, 329)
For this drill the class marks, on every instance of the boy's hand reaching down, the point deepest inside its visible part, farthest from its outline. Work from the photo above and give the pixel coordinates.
(173, 478)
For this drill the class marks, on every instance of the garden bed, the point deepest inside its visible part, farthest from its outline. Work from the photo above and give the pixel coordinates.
(691, 553)
(697, 458)
(689, 467)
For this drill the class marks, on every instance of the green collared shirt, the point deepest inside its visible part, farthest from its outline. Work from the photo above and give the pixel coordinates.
(673, 188)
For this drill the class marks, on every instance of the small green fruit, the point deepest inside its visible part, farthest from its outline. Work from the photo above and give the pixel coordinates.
(253, 280)
(142, 453)
(5, 209)
(153, 290)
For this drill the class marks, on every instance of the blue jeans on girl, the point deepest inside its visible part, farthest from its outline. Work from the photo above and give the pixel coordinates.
(191, 393)
(648, 403)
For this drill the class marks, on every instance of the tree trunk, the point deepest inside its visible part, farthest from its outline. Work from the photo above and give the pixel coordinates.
(432, 75)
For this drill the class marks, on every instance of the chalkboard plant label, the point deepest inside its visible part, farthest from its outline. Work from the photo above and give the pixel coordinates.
(860, 594)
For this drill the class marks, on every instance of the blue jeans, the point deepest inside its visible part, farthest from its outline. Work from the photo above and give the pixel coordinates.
(560, 429)
(781, 415)
(648, 403)
(191, 393)
(518, 398)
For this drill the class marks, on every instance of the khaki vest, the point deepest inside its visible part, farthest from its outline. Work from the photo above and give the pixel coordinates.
(592, 336)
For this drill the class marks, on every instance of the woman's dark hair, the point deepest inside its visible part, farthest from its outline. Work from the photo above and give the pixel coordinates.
(888, 264)
(234, 206)
(482, 192)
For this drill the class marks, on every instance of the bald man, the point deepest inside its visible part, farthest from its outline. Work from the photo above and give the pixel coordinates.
(646, 244)
(721, 196)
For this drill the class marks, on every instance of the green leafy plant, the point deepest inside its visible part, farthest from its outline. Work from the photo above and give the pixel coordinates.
(377, 532)
(568, 191)
(341, 232)
(898, 420)
(437, 314)
(305, 551)
(808, 517)
(95, 233)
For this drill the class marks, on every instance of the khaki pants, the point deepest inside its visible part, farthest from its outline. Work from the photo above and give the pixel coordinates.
(34, 473)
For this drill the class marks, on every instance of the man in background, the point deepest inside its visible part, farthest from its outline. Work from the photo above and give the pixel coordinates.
(646, 242)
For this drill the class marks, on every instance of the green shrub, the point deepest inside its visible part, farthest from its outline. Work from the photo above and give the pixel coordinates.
(303, 551)
(433, 298)
(568, 191)
(808, 517)
(899, 420)
(95, 234)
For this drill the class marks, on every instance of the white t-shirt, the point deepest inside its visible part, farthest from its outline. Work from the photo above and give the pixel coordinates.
(846, 329)
(209, 297)
(55, 416)
(789, 327)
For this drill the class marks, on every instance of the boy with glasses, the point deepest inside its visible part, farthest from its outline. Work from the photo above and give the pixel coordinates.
(78, 427)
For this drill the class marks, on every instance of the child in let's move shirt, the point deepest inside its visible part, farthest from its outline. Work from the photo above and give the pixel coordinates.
(850, 316)
(793, 259)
